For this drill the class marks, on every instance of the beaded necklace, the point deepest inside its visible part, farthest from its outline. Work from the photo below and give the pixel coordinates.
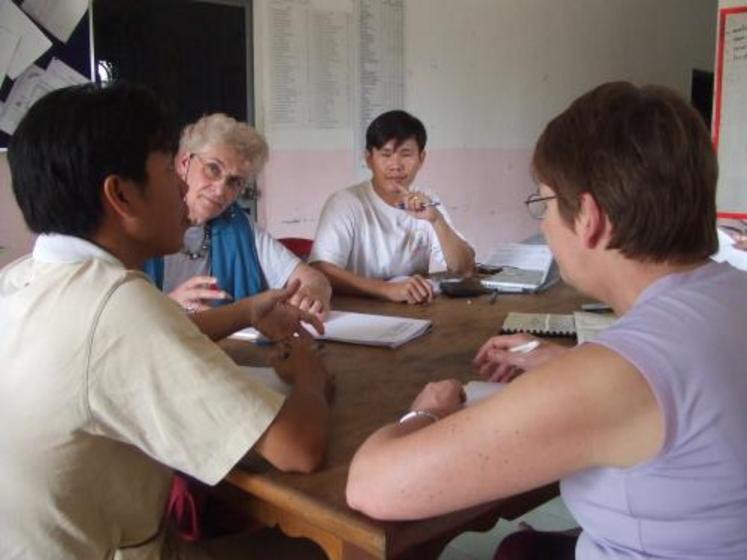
(204, 248)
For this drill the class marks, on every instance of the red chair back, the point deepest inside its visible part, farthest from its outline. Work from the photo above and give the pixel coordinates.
(299, 246)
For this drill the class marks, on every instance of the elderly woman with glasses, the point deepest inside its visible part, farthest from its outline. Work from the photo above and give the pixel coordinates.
(224, 256)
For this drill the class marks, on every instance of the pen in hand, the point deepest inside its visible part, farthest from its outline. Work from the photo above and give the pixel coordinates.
(401, 205)
(525, 348)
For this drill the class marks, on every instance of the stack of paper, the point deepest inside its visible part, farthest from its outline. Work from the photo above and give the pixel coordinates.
(361, 328)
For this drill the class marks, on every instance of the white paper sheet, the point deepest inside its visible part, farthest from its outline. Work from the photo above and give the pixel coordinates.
(59, 17)
(360, 328)
(475, 391)
(27, 89)
(64, 73)
(589, 325)
(8, 42)
(727, 252)
(33, 42)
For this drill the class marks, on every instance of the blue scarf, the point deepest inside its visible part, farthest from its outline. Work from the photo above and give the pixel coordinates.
(233, 256)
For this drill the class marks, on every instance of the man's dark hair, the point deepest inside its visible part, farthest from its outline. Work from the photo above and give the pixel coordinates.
(71, 140)
(395, 125)
(646, 157)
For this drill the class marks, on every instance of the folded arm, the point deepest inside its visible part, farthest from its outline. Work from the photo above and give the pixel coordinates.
(588, 408)
(414, 289)
(459, 256)
(297, 438)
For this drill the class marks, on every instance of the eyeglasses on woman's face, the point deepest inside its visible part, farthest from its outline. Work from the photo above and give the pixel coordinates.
(214, 172)
(537, 205)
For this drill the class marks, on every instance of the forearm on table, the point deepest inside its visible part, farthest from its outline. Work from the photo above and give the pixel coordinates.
(459, 256)
(348, 283)
(313, 281)
(297, 439)
(223, 321)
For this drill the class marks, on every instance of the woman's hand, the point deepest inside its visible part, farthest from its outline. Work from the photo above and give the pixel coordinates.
(440, 397)
(298, 356)
(196, 293)
(496, 362)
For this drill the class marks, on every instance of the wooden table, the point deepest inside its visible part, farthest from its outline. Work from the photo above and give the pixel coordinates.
(374, 386)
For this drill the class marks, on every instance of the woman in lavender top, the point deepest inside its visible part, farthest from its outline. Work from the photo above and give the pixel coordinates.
(645, 426)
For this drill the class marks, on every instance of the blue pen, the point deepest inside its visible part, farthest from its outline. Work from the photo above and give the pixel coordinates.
(401, 205)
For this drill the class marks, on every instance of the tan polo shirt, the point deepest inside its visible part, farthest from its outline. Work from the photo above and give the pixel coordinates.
(105, 387)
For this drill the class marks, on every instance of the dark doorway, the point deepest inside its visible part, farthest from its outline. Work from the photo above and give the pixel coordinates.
(193, 54)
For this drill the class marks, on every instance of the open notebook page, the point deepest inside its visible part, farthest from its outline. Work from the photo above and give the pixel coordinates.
(361, 328)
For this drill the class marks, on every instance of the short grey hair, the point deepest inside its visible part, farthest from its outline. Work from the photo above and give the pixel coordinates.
(219, 128)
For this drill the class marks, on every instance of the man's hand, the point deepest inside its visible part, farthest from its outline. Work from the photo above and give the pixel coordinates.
(414, 289)
(496, 362)
(440, 397)
(276, 318)
(419, 205)
(297, 356)
(195, 294)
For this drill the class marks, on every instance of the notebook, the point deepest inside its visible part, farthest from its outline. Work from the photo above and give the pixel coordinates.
(585, 326)
(589, 325)
(361, 328)
(540, 324)
(524, 267)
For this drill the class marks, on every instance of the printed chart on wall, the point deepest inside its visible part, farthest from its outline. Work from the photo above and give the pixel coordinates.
(730, 112)
(327, 68)
(44, 45)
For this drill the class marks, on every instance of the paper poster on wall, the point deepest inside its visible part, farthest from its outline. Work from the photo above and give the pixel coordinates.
(309, 64)
(730, 112)
(328, 67)
(8, 43)
(59, 17)
(30, 86)
(32, 44)
(380, 85)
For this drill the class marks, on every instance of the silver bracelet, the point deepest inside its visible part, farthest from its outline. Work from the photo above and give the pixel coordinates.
(418, 414)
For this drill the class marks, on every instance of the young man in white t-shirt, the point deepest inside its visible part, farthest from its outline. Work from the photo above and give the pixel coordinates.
(380, 237)
(106, 386)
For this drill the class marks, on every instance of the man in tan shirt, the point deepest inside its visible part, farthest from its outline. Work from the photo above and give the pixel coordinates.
(106, 386)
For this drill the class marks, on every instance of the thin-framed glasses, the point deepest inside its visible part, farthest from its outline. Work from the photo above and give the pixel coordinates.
(214, 171)
(537, 205)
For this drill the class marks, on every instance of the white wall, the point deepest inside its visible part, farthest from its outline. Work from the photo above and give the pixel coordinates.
(485, 76)
(14, 236)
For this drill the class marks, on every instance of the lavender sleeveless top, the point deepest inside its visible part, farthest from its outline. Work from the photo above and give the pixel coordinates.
(687, 335)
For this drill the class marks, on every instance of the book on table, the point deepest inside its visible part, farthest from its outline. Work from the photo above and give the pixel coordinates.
(583, 325)
(360, 328)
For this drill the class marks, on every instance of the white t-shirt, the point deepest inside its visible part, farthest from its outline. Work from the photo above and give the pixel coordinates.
(276, 261)
(360, 232)
(105, 387)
